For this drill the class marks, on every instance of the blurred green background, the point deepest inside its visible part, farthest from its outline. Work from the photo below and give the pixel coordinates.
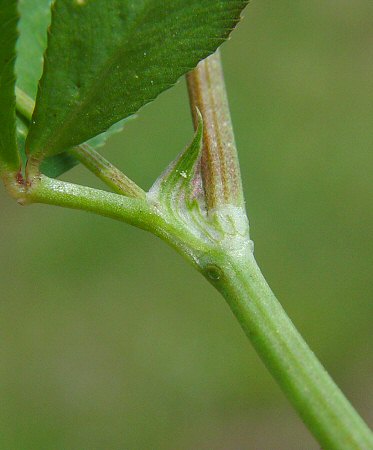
(110, 341)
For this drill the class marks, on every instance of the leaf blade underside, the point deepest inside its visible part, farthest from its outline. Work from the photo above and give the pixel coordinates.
(106, 59)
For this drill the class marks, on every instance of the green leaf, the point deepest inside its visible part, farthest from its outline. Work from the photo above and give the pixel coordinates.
(107, 58)
(31, 45)
(56, 165)
(33, 25)
(52, 167)
(9, 157)
(32, 42)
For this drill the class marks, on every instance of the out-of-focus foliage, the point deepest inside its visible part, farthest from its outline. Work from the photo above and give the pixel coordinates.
(121, 345)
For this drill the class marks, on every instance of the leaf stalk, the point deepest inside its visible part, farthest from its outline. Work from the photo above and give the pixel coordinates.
(106, 171)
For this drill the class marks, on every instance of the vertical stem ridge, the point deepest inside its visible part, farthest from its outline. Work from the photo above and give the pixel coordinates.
(220, 167)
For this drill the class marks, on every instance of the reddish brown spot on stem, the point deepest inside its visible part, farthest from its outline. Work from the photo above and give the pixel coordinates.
(19, 178)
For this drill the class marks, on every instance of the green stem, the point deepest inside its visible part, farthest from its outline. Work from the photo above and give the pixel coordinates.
(140, 212)
(318, 400)
(229, 265)
(320, 403)
(50, 191)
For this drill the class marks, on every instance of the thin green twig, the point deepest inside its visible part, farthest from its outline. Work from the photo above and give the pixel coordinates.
(106, 171)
